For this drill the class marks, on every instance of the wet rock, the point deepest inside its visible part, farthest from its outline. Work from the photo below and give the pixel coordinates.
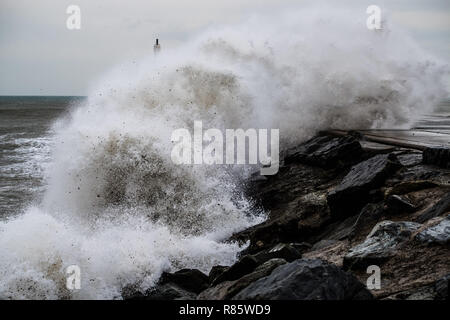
(437, 156)
(191, 280)
(380, 244)
(436, 234)
(305, 279)
(439, 208)
(244, 266)
(227, 289)
(399, 204)
(327, 152)
(216, 271)
(168, 291)
(354, 191)
(441, 288)
(281, 250)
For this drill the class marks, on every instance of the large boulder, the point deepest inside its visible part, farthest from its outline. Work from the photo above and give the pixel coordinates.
(327, 152)
(244, 266)
(353, 192)
(305, 279)
(191, 280)
(381, 243)
(167, 291)
(227, 289)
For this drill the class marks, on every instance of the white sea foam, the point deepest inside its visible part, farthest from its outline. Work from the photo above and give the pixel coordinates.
(120, 209)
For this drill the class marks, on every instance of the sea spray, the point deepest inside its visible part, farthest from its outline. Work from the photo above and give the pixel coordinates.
(120, 209)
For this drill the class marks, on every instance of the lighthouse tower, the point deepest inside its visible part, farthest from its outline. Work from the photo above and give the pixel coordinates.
(156, 47)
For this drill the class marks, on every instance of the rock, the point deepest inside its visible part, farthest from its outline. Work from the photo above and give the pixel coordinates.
(409, 158)
(409, 186)
(326, 152)
(442, 206)
(396, 204)
(217, 292)
(191, 280)
(437, 156)
(305, 279)
(441, 288)
(323, 244)
(374, 148)
(168, 291)
(438, 233)
(352, 193)
(244, 266)
(216, 271)
(227, 289)
(380, 244)
(422, 293)
(420, 173)
(281, 250)
(338, 230)
(302, 246)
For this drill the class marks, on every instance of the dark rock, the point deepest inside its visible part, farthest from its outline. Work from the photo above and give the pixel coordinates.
(441, 288)
(368, 217)
(353, 192)
(300, 219)
(381, 244)
(216, 271)
(338, 230)
(442, 206)
(227, 289)
(410, 186)
(398, 204)
(305, 279)
(244, 266)
(438, 233)
(419, 173)
(437, 156)
(302, 246)
(410, 159)
(281, 250)
(323, 244)
(422, 293)
(349, 227)
(327, 152)
(189, 279)
(168, 291)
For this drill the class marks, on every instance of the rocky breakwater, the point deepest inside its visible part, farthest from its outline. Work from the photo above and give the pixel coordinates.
(337, 206)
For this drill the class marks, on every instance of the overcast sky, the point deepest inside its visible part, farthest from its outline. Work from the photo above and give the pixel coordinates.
(40, 56)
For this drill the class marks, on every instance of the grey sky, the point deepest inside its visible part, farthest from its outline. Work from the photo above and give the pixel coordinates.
(40, 56)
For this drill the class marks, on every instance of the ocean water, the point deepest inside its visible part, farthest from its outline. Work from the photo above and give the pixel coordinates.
(92, 184)
(25, 143)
